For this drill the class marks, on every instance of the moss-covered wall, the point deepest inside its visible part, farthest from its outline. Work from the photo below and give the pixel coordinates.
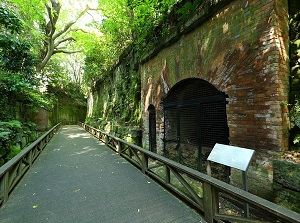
(71, 115)
(114, 102)
(287, 184)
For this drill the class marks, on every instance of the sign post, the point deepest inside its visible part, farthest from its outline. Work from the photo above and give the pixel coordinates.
(235, 157)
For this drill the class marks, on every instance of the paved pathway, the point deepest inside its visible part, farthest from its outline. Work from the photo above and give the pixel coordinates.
(78, 179)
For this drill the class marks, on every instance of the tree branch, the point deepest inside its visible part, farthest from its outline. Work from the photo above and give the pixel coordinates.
(70, 39)
(67, 27)
(74, 30)
(66, 51)
(53, 14)
(50, 28)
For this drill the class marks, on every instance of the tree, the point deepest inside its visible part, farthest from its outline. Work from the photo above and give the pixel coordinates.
(52, 30)
(18, 83)
(56, 41)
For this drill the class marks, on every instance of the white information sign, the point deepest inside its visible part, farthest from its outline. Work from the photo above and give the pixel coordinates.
(232, 156)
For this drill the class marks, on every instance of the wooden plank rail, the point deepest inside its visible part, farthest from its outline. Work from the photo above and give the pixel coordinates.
(13, 171)
(207, 196)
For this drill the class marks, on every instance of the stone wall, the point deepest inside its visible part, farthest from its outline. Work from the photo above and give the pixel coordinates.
(242, 50)
(71, 114)
(41, 119)
(114, 102)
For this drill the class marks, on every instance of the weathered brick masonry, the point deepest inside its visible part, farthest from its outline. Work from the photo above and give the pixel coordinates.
(242, 50)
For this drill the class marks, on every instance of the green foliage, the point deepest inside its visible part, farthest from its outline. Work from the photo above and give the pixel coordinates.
(14, 87)
(126, 23)
(295, 55)
(30, 10)
(4, 136)
(295, 71)
(295, 119)
(7, 133)
(187, 9)
(10, 21)
(65, 91)
(11, 133)
(18, 81)
(16, 56)
(14, 150)
(14, 125)
(148, 22)
(97, 63)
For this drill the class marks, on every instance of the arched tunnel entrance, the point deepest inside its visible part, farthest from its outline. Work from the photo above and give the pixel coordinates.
(194, 120)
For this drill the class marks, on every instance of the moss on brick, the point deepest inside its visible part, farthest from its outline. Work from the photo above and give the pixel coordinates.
(286, 173)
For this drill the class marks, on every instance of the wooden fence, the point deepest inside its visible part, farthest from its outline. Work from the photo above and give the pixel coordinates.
(215, 200)
(12, 172)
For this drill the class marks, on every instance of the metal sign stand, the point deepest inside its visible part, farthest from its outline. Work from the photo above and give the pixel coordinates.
(235, 157)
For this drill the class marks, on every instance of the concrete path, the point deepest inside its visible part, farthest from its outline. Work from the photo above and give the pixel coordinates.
(79, 179)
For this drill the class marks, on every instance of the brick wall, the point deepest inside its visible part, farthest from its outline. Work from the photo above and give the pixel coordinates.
(243, 51)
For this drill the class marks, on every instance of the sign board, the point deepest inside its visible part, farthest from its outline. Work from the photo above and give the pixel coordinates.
(232, 156)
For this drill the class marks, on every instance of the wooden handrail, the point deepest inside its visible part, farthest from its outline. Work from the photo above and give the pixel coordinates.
(12, 172)
(207, 203)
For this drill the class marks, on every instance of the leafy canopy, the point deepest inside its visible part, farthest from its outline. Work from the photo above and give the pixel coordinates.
(126, 23)
(10, 21)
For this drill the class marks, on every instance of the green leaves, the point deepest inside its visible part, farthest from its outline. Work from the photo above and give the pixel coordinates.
(4, 136)
(14, 150)
(18, 79)
(295, 71)
(16, 56)
(125, 23)
(10, 21)
(13, 124)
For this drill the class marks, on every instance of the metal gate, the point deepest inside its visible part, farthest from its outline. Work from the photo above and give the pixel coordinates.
(194, 120)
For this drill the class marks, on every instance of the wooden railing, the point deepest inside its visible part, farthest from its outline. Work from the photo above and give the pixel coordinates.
(215, 200)
(13, 171)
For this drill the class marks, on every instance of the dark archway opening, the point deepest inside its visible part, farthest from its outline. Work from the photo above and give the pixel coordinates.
(152, 128)
(194, 120)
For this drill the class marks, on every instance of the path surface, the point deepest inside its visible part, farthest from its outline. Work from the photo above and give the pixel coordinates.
(79, 179)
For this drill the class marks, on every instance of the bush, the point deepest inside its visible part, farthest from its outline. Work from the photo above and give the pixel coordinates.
(11, 134)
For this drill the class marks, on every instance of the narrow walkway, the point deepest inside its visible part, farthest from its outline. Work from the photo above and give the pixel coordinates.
(79, 179)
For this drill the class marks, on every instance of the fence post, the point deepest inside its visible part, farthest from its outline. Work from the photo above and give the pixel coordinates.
(208, 202)
(106, 139)
(144, 163)
(5, 187)
(119, 148)
(29, 157)
(168, 175)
